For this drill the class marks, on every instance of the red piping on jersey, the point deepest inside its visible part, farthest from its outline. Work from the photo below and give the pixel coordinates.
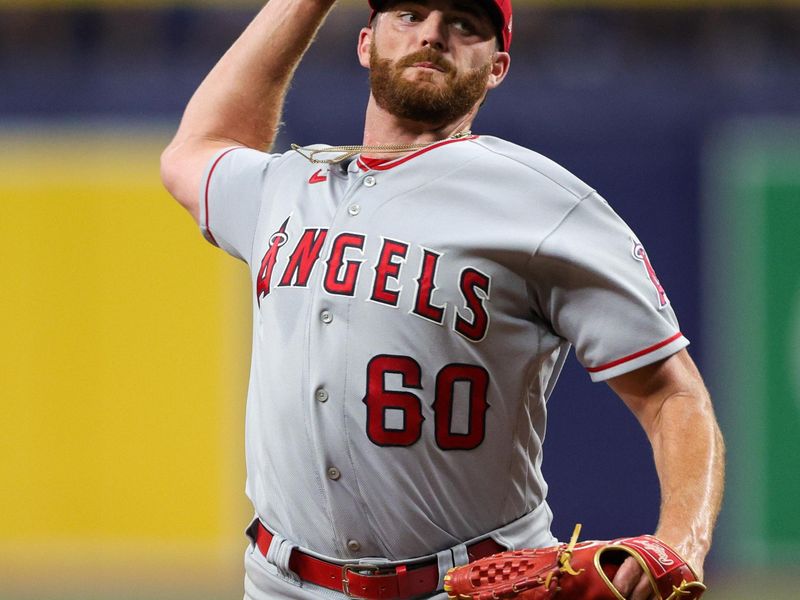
(630, 357)
(388, 165)
(208, 186)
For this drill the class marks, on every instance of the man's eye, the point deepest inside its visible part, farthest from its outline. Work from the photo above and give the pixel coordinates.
(408, 17)
(464, 25)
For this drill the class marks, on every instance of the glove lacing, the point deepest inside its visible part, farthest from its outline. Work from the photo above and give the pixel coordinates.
(564, 557)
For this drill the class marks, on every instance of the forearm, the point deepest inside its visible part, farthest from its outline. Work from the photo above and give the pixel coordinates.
(673, 406)
(241, 99)
(689, 455)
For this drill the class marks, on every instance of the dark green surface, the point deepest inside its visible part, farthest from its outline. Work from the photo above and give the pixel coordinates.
(782, 291)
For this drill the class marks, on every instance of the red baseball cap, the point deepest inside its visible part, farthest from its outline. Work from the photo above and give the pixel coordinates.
(499, 10)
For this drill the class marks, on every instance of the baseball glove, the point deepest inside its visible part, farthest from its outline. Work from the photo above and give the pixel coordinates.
(579, 571)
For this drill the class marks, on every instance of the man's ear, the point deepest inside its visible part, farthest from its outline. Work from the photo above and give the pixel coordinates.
(365, 37)
(501, 62)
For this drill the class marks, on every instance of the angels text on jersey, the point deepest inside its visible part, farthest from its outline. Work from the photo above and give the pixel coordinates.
(287, 264)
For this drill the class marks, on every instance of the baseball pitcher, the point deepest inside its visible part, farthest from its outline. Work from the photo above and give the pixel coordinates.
(414, 300)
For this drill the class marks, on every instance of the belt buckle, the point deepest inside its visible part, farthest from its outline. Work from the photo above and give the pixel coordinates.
(355, 568)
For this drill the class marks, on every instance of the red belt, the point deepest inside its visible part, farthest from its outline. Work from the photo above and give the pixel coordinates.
(371, 582)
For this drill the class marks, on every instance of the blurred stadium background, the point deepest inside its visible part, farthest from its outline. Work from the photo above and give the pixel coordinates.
(125, 337)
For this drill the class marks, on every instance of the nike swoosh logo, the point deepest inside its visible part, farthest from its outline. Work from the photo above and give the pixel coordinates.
(317, 178)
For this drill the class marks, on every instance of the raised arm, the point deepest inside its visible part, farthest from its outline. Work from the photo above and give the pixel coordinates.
(673, 406)
(240, 101)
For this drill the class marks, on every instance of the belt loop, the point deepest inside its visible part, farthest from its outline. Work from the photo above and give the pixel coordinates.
(280, 551)
(445, 561)
(460, 555)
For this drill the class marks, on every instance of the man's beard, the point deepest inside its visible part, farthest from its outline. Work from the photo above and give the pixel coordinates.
(420, 99)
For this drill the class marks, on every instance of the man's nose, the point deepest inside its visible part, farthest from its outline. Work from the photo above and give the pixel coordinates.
(434, 31)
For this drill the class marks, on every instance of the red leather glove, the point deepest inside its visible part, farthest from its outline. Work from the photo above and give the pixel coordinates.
(574, 571)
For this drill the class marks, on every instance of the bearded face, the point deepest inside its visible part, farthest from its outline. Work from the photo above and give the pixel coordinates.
(427, 97)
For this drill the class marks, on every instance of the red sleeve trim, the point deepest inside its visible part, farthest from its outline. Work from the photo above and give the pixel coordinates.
(208, 187)
(630, 357)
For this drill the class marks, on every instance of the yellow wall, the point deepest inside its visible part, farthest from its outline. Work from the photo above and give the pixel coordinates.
(123, 363)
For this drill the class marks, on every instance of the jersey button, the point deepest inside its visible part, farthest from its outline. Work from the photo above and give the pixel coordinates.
(353, 546)
(354, 209)
(326, 317)
(370, 181)
(322, 395)
(334, 474)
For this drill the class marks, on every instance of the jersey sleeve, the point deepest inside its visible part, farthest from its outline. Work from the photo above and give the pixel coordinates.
(232, 190)
(592, 281)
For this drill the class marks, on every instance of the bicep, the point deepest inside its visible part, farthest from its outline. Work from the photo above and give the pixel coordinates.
(183, 165)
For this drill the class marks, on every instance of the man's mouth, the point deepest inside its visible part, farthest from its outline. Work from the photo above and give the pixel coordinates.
(428, 65)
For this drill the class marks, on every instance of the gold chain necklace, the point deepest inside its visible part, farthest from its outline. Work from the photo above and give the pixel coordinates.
(343, 153)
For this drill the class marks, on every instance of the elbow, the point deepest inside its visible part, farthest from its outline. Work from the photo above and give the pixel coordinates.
(169, 170)
(173, 169)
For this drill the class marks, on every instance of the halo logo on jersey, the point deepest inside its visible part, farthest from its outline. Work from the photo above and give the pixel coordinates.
(640, 255)
(276, 240)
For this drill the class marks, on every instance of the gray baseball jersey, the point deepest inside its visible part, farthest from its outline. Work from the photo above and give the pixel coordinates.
(411, 318)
